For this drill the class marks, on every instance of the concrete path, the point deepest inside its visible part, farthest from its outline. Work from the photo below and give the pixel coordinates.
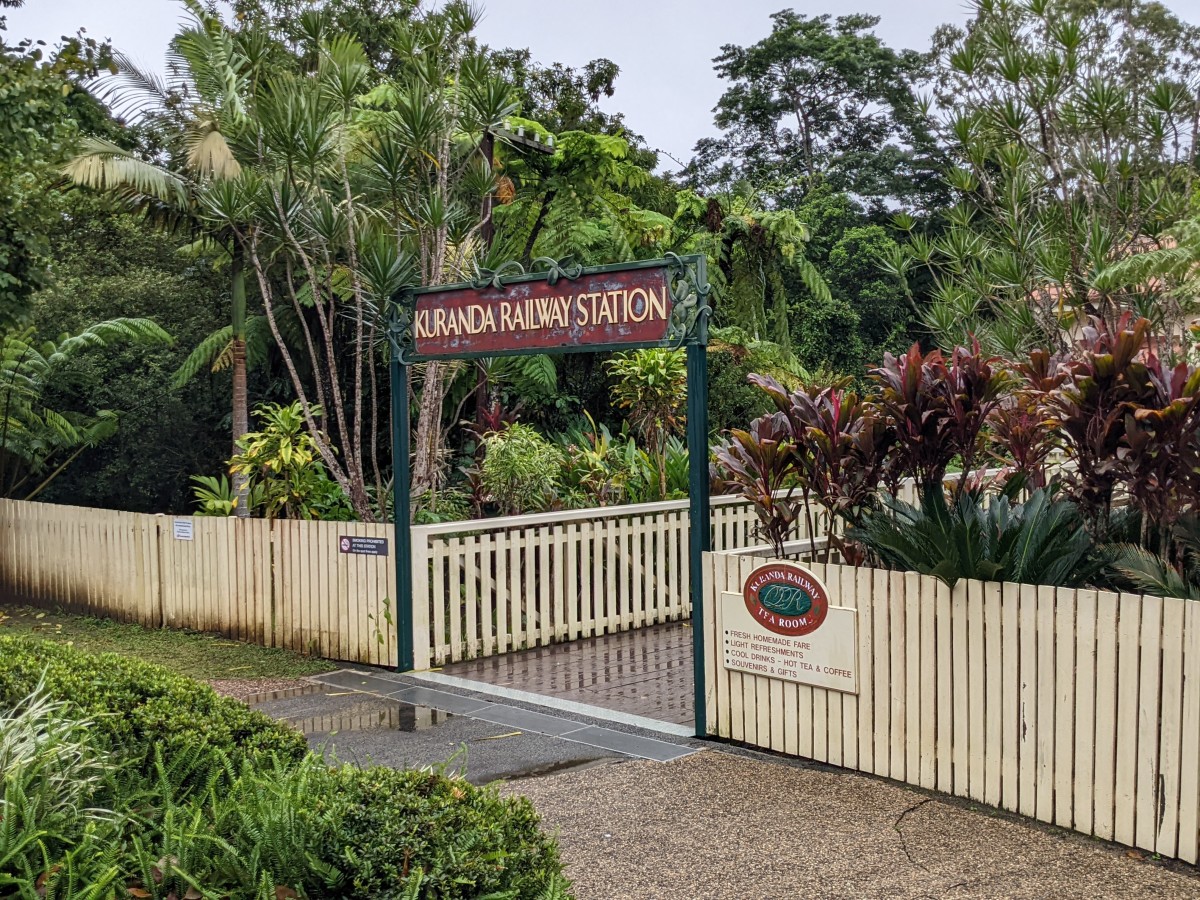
(720, 826)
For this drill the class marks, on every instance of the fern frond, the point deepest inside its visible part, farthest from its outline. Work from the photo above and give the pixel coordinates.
(207, 355)
(104, 334)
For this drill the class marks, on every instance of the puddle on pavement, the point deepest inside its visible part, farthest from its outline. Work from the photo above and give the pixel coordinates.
(373, 715)
(287, 694)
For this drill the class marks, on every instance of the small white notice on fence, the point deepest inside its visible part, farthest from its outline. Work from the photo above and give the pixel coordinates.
(182, 529)
(782, 626)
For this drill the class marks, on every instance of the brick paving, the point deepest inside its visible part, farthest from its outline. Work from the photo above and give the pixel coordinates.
(645, 672)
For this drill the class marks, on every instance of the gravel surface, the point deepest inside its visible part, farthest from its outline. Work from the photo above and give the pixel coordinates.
(718, 826)
(245, 688)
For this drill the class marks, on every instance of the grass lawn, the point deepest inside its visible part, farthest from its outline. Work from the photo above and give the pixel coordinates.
(203, 656)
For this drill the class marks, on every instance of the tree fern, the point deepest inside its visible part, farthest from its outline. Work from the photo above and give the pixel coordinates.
(36, 442)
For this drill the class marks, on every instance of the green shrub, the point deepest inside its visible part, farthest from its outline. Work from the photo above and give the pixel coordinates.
(117, 773)
(136, 707)
(521, 469)
(1040, 541)
(467, 841)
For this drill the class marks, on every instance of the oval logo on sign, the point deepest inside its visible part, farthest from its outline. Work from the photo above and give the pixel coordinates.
(786, 599)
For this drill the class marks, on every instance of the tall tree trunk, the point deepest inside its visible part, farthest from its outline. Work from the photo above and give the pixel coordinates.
(428, 432)
(241, 400)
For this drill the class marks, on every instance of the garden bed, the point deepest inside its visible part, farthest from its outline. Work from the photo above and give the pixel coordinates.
(122, 778)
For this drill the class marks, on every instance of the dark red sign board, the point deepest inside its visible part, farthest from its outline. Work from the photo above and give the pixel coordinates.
(605, 309)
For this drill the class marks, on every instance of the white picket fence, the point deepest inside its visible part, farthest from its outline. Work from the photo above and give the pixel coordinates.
(481, 587)
(495, 585)
(1079, 708)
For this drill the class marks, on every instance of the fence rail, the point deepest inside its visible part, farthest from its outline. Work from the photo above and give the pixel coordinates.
(481, 587)
(1079, 708)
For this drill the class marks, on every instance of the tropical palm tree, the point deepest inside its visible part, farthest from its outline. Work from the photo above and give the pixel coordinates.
(36, 442)
(201, 107)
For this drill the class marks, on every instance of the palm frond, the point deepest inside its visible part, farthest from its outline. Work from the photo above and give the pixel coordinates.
(103, 166)
(1151, 574)
(206, 355)
(208, 152)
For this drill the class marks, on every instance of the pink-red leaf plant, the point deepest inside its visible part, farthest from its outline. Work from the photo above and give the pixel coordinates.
(1128, 423)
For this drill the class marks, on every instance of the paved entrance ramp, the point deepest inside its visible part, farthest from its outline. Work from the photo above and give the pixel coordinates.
(386, 719)
(641, 677)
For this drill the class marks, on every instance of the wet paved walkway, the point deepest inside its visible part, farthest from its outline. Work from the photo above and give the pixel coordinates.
(646, 672)
(387, 719)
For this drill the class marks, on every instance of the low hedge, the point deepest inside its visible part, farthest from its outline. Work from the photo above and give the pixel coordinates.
(136, 707)
(467, 841)
(238, 808)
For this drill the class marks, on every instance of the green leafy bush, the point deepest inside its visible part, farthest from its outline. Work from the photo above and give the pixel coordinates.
(521, 469)
(119, 778)
(136, 707)
(467, 841)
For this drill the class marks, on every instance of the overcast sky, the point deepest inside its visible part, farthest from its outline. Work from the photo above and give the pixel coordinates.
(667, 87)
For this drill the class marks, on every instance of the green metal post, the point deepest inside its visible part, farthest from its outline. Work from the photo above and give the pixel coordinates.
(700, 533)
(401, 478)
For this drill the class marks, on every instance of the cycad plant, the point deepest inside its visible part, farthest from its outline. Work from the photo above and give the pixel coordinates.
(1152, 573)
(1040, 541)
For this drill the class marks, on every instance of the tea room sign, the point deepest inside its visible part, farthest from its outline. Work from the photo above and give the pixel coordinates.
(782, 626)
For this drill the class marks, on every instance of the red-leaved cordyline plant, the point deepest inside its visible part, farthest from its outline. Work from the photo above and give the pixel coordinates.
(839, 451)
(1105, 383)
(760, 466)
(1023, 432)
(1161, 450)
(938, 409)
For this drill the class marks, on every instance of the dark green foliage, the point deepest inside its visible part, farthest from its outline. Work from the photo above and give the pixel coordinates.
(732, 401)
(34, 133)
(1040, 541)
(827, 335)
(818, 99)
(853, 273)
(108, 263)
(138, 708)
(199, 797)
(468, 842)
(559, 97)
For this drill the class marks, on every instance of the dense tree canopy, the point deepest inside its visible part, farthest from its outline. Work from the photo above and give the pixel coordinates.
(818, 100)
(299, 162)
